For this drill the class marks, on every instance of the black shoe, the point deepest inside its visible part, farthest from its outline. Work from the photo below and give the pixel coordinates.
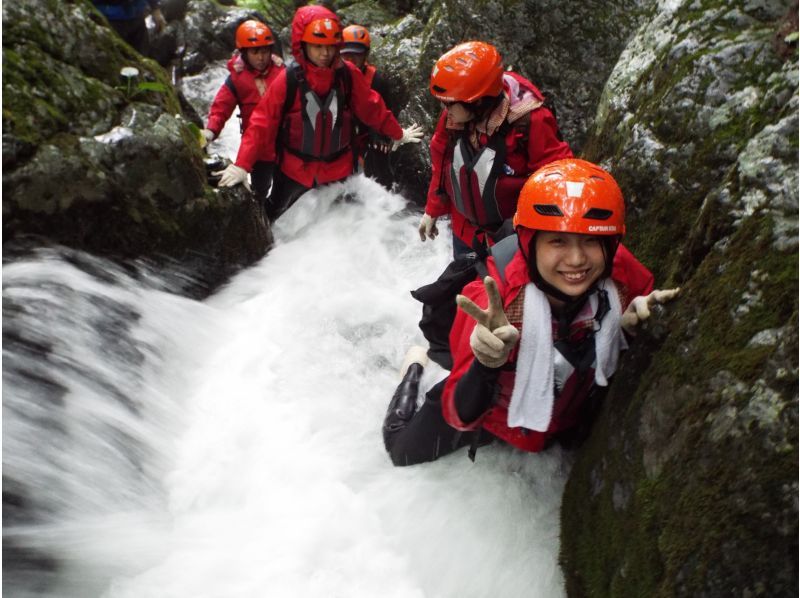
(403, 404)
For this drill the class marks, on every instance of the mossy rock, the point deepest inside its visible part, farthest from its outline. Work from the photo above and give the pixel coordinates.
(688, 483)
(102, 162)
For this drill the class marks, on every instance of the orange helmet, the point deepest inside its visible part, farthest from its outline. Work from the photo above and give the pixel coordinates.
(326, 32)
(571, 196)
(356, 39)
(468, 72)
(253, 34)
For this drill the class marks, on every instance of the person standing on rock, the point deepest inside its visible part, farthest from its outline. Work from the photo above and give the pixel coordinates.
(534, 338)
(128, 18)
(253, 68)
(493, 132)
(371, 148)
(305, 120)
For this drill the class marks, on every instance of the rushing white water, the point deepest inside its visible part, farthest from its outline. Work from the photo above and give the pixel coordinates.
(232, 447)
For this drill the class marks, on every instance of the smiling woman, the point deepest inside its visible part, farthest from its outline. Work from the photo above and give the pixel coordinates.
(569, 262)
(534, 339)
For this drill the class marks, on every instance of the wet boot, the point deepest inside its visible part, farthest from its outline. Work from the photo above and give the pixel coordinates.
(404, 401)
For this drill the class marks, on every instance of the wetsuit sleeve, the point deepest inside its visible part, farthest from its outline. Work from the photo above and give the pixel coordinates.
(258, 141)
(474, 391)
(438, 203)
(221, 109)
(370, 108)
(544, 140)
(470, 386)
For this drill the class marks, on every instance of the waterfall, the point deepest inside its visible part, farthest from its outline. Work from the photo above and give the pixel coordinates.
(158, 446)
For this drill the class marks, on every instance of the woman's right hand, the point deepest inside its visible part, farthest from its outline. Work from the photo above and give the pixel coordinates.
(493, 337)
(427, 227)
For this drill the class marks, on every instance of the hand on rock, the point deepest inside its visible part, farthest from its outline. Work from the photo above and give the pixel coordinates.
(493, 337)
(158, 19)
(639, 309)
(233, 175)
(412, 134)
(206, 137)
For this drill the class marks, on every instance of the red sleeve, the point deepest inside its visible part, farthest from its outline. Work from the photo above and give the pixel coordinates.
(631, 275)
(438, 203)
(463, 326)
(544, 140)
(258, 141)
(221, 109)
(370, 108)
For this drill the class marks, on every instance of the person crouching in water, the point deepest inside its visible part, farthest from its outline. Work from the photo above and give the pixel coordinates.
(532, 342)
(305, 120)
(253, 68)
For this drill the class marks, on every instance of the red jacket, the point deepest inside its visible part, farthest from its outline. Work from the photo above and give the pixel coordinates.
(244, 88)
(258, 141)
(632, 279)
(543, 146)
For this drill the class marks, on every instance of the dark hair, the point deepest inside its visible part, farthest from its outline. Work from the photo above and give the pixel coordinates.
(483, 106)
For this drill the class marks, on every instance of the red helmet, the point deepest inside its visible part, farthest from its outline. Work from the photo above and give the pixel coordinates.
(356, 39)
(253, 34)
(468, 72)
(571, 196)
(326, 32)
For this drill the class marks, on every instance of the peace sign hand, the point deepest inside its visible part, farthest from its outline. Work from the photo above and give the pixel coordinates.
(493, 337)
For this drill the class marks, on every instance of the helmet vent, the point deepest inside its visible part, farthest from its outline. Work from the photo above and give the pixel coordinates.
(438, 89)
(598, 214)
(547, 209)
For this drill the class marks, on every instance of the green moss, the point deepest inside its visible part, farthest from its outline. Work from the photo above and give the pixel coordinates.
(724, 321)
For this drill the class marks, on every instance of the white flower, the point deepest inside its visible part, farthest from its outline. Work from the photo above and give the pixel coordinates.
(129, 72)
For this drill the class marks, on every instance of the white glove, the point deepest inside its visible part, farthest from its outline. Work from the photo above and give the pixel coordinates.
(493, 337)
(427, 227)
(639, 309)
(158, 19)
(233, 175)
(206, 137)
(412, 134)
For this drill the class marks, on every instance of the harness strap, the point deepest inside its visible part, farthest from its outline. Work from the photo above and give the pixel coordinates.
(309, 158)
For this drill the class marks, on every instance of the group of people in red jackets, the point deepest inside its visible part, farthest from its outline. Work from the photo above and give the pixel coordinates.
(557, 298)
(310, 121)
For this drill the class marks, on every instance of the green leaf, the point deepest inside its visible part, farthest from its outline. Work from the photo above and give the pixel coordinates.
(152, 86)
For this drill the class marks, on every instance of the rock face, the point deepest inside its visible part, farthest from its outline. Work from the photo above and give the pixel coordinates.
(688, 484)
(104, 163)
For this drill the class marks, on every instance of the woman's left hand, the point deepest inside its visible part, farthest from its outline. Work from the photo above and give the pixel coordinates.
(639, 309)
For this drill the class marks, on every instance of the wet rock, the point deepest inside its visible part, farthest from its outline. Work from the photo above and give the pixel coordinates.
(104, 162)
(698, 123)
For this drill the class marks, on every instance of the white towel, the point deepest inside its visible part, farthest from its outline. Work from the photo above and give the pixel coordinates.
(531, 403)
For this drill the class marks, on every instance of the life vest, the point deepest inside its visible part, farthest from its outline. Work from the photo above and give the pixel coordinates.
(322, 129)
(474, 174)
